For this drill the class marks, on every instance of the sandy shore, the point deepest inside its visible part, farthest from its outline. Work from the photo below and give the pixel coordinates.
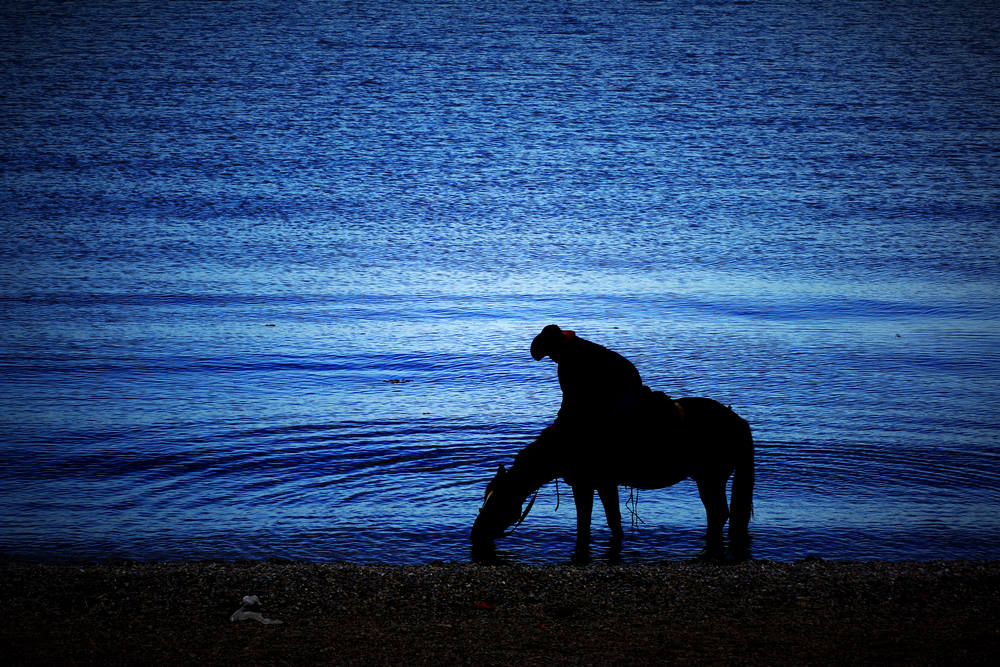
(757, 612)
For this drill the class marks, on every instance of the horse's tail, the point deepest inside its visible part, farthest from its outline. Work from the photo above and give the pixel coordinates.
(741, 497)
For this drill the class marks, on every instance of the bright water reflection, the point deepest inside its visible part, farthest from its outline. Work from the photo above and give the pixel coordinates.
(269, 273)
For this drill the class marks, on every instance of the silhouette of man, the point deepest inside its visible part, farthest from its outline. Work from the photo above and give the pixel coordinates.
(598, 417)
(600, 388)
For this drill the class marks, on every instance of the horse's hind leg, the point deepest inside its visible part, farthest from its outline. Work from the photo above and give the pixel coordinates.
(713, 497)
(609, 498)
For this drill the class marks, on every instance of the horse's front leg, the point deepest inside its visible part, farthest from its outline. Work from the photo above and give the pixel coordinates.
(609, 498)
(583, 497)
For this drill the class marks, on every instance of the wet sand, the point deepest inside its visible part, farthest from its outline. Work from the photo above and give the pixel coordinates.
(758, 612)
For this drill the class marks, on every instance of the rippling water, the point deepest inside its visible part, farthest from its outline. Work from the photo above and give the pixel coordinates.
(269, 274)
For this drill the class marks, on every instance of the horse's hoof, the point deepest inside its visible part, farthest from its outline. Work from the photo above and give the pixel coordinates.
(484, 552)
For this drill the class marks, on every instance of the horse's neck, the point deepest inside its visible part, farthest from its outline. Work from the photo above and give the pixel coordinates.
(533, 466)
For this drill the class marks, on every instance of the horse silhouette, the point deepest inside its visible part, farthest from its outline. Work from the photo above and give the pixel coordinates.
(672, 440)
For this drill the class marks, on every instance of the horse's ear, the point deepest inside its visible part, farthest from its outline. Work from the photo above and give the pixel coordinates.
(501, 471)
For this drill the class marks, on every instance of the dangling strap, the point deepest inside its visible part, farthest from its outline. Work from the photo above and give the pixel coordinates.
(523, 515)
(632, 505)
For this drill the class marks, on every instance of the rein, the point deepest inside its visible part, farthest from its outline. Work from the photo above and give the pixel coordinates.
(523, 515)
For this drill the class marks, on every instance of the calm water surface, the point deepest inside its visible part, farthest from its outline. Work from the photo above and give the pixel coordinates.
(269, 273)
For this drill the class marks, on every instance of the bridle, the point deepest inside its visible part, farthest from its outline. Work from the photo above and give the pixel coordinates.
(520, 520)
(523, 515)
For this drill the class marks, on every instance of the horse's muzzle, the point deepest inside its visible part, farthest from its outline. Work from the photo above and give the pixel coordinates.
(479, 535)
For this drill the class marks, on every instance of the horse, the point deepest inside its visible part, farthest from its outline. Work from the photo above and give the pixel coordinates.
(670, 441)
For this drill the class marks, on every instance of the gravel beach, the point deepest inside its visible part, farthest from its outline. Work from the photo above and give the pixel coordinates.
(757, 612)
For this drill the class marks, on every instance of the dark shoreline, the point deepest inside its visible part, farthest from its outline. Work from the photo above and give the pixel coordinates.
(757, 612)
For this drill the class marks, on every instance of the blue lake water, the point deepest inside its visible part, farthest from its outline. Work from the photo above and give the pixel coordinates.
(269, 273)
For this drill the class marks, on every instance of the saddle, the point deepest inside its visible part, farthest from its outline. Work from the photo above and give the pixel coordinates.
(658, 409)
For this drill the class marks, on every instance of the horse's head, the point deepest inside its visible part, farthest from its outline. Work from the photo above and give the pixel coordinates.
(501, 509)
